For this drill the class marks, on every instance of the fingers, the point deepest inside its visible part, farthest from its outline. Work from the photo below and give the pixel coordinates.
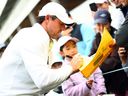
(123, 54)
(77, 62)
(89, 83)
(66, 32)
(122, 51)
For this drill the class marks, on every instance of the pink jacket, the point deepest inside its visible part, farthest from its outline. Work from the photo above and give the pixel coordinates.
(75, 85)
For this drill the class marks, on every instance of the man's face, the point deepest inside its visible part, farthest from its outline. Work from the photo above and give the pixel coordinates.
(54, 27)
(100, 27)
(118, 2)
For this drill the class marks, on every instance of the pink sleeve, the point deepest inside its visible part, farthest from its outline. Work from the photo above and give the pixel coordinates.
(99, 79)
(72, 89)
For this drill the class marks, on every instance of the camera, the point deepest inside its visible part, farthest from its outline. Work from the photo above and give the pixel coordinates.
(93, 7)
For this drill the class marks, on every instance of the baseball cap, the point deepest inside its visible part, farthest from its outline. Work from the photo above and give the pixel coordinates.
(102, 16)
(64, 39)
(53, 8)
(100, 1)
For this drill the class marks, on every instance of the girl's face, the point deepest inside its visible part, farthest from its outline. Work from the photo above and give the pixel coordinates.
(100, 27)
(69, 49)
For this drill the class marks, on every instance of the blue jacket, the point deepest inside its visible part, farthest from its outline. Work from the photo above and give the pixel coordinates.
(88, 35)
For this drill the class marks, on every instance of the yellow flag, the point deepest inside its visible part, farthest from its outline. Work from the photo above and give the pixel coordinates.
(103, 51)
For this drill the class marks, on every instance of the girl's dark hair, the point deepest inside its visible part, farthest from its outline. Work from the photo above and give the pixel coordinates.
(61, 48)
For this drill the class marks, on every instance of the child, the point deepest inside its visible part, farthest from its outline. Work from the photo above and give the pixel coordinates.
(77, 84)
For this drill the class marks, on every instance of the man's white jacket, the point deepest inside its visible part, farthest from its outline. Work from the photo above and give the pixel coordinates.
(23, 66)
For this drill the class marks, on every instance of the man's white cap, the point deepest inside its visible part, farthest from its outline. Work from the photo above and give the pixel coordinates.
(64, 39)
(53, 8)
(100, 1)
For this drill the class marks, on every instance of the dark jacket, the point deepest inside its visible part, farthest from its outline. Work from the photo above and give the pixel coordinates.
(116, 82)
(122, 33)
(76, 32)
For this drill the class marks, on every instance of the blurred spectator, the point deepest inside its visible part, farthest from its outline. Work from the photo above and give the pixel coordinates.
(122, 4)
(124, 9)
(122, 33)
(77, 84)
(116, 14)
(81, 32)
(123, 53)
(116, 83)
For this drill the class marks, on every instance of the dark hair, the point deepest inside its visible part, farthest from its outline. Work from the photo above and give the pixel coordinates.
(53, 17)
(69, 15)
(93, 7)
(61, 48)
(40, 19)
(110, 20)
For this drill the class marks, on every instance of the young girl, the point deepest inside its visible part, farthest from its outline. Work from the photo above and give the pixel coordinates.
(77, 84)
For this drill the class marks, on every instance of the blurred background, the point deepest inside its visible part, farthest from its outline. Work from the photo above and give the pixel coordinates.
(17, 14)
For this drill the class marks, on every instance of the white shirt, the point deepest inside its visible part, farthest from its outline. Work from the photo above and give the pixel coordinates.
(23, 66)
(117, 17)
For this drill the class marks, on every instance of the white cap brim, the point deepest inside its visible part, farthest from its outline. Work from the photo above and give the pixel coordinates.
(57, 10)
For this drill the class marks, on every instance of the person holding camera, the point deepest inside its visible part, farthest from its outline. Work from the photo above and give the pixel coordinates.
(121, 37)
(123, 53)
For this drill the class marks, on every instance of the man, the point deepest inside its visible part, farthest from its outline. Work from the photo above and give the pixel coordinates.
(24, 67)
(116, 14)
(122, 33)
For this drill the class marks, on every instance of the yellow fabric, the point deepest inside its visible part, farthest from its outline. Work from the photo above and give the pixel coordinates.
(50, 55)
(103, 51)
(51, 45)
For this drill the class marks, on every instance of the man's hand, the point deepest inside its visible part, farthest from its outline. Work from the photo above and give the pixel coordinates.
(67, 32)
